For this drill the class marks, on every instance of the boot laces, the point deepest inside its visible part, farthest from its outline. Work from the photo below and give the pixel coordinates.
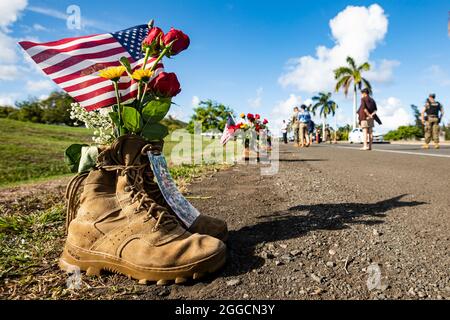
(136, 186)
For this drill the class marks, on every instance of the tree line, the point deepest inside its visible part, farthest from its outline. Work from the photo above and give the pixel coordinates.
(55, 109)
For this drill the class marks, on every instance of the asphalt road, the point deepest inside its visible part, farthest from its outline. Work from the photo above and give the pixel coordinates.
(330, 216)
(411, 149)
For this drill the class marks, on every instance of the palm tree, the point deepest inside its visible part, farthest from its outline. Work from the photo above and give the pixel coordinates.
(351, 74)
(327, 106)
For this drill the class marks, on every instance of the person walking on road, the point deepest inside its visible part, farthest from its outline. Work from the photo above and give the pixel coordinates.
(434, 113)
(328, 134)
(311, 127)
(295, 125)
(367, 114)
(284, 130)
(304, 118)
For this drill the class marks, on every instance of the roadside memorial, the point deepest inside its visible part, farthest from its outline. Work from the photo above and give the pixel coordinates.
(130, 218)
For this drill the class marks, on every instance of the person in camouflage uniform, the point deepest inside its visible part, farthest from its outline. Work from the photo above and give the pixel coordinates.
(432, 114)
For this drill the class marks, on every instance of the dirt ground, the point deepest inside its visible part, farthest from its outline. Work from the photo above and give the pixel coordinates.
(331, 224)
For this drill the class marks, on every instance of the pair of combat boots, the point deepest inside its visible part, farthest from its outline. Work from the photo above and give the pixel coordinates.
(122, 223)
(426, 146)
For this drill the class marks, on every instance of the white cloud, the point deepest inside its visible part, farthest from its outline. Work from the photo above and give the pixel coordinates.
(49, 12)
(40, 85)
(256, 102)
(43, 96)
(39, 27)
(393, 114)
(382, 72)
(8, 99)
(356, 32)
(195, 101)
(282, 111)
(9, 72)
(9, 12)
(308, 101)
(342, 119)
(8, 52)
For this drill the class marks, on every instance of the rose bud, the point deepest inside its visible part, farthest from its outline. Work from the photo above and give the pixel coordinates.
(152, 41)
(265, 121)
(165, 85)
(250, 116)
(181, 41)
(242, 115)
(257, 116)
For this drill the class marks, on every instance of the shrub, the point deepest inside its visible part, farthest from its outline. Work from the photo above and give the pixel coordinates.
(404, 133)
(5, 111)
(446, 129)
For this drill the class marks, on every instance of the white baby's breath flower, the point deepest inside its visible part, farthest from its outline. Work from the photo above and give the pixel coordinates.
(97, 120)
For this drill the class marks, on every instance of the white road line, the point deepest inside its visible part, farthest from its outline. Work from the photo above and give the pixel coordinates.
(402, 152)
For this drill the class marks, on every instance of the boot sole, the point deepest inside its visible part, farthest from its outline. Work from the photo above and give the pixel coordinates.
(94, 262)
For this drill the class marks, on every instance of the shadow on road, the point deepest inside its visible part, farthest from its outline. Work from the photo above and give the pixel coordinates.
(297, 221)
(301, 160)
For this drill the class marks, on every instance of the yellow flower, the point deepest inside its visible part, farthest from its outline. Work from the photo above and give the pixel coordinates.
(242, 115)
(142, 74)
(113, 73)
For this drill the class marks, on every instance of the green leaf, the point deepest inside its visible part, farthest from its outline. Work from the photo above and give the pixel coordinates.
(88, 158)
(155, 110)
(132, 119)
(124, 61)
(72, 156)
(114, 117)
(155, 131)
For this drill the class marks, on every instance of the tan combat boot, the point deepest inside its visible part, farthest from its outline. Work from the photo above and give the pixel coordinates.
(437, 146)
(118, 227)
(204, 224)
(425, 146)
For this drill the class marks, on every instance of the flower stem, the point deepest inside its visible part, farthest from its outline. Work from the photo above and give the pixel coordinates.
(139, 91)
(143, 94)
(161, 55)
(147, 54)
(119, 112)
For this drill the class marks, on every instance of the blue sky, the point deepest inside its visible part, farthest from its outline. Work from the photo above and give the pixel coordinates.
(259, 56)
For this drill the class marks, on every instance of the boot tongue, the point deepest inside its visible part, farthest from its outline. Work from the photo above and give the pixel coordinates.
(127, 150)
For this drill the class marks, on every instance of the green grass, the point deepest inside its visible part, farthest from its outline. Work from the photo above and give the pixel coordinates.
(29, 237)
(32, 233)
(33, 152)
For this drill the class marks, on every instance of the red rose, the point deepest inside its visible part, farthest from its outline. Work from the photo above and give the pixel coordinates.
(152, 41)
(181, 41)
(165, 85)
(257, 127)
(265, 121)
(257, 116)
(250, 116)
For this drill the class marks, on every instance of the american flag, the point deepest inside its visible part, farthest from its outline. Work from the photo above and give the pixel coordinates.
(230, 129)
(73, 64)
